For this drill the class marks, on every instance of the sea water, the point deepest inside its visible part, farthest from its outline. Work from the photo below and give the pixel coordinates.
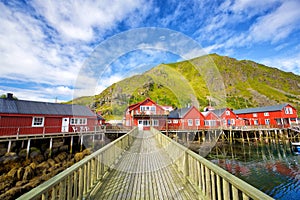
(273, 168)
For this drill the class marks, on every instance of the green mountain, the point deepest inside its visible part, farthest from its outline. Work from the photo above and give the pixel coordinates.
(212, 79)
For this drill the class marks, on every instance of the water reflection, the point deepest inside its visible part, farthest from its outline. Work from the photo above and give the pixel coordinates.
(273, 168)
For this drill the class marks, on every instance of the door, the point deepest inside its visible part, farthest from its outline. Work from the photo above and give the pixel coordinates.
(140, 124)
(65, 125)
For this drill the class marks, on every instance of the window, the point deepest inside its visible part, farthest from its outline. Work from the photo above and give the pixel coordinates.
(78, 121)
(169, 121)
(254, 114)
(190, 122)
(175, 121)
(256, 122)
(197, 121)
(154, 122)
(37, 121)
(267, 121)
(227, 112)
(266, 114)
(146, 108)
(288, 110)
(210, 123)
(232, 121)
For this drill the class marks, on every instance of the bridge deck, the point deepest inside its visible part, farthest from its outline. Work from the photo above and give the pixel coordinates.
(144, 172)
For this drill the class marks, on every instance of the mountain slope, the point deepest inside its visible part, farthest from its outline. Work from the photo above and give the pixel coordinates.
(212, 79)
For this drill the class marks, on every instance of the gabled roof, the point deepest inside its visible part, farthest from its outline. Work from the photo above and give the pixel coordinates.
(206, 113)
(11, 106)
(219, 112)
(134, 106)
(179, 113)
(261, 109)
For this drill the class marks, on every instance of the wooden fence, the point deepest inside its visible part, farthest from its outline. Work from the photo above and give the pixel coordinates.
(77, 181)
(210, 180)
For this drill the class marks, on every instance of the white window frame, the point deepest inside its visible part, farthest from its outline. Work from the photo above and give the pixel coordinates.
(154, 122)
(266, 114)
(227, 112)
(36, 123)
(254, 114)
(190, 122)
(197, 122)
(169, 121)
(175, 121)
(78, 121)
(267, 121)
(288, 110)
(256, 122)
(232, 121)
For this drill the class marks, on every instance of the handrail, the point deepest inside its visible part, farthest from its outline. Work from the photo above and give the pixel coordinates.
(210, 180)
(78, 180)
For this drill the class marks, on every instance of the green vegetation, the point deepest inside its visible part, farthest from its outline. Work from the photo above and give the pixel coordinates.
(212, 79)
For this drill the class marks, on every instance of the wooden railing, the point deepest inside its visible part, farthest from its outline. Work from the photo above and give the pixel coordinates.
(210, 180)
(77, 181)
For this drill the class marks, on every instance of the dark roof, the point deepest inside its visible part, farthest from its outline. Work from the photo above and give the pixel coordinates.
(99, 117)
(178, 113)
(11, 106)
(260, 109)
(219, 112)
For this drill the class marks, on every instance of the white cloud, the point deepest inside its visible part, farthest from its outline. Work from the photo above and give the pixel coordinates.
(78, 19)
(288, 63)
(278, 24)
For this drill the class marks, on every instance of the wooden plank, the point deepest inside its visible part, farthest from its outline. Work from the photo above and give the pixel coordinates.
(149, 175)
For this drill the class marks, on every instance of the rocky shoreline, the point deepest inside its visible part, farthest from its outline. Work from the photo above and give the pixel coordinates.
(19, 175)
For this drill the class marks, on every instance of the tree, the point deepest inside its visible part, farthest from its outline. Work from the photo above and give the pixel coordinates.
(4, 96)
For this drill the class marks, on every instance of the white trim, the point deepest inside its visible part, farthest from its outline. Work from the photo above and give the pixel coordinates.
(34, 123)
(78, 121)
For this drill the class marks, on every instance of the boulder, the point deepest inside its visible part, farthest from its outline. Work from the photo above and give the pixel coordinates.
(12, 174)
(33, 165)
(39, 158)
(20, 173)
(20, 183)
(64, 148)
(28, 173)
(42, 166)
(79, 156)
(12, 193)
(61, 157)
(51, 162)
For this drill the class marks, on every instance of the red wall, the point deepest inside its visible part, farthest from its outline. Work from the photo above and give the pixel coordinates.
(272, 117)
(10, 125)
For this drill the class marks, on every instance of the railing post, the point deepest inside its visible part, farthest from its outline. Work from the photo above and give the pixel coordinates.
(18, 132)
(186, 166)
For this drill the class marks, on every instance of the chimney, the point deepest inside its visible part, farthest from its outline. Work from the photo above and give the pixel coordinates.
(9, 96)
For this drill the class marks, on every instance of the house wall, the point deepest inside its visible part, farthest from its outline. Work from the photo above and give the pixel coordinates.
(213, 118)
(22, 124)
(229, 120)
(272, 116)
(183, 123)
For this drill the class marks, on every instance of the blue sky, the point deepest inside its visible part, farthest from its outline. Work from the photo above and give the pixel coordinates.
(47, 46)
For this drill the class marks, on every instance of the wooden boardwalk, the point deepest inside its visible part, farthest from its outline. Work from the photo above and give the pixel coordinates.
(144, 172)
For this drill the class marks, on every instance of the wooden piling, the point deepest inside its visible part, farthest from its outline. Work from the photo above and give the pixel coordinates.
(28, 148)
(9, 146)
(50, 147)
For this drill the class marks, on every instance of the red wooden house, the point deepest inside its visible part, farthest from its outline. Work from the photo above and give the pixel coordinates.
(32, 117)
(211, 119)
(145, 114)
(282, 115)
(227, 117)
(189, 118)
